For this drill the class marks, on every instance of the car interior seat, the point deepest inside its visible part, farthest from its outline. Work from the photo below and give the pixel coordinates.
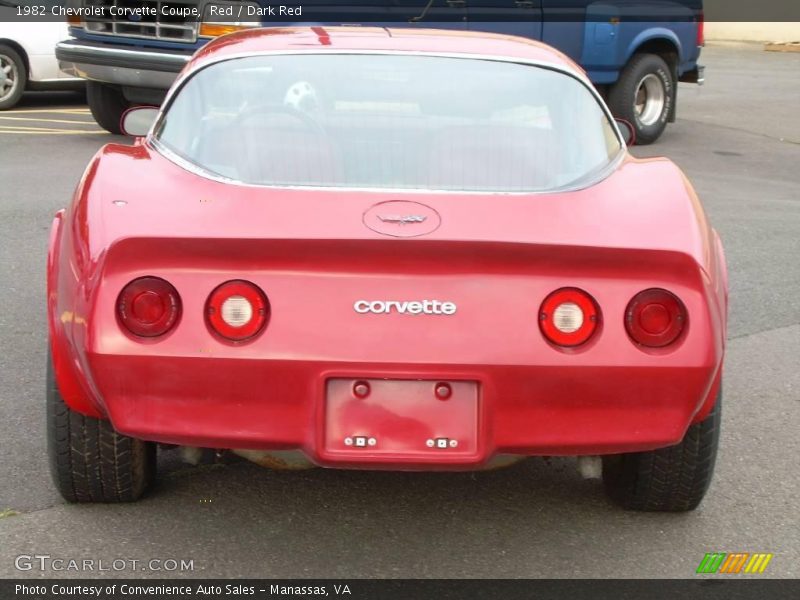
(493, 158)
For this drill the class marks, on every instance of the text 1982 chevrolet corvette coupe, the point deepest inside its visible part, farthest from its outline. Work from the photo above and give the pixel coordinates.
(390, 250)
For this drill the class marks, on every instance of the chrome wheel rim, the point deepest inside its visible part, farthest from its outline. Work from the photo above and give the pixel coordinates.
(650, 99)
(9, 77)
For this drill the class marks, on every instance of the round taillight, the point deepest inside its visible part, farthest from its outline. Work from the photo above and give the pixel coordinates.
(568, 317)
(655, 318)
(237, 310)
(149, 307)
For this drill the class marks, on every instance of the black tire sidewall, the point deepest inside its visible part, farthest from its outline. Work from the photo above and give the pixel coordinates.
(632, 481)
(107, 105)
(56, 443)
(103, 454)
(622, 95)
(22, 72)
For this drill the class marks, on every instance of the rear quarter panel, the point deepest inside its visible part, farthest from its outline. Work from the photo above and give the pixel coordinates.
(72, 278)
(610, 40)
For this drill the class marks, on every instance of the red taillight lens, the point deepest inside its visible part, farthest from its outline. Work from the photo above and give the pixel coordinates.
(237, 310)
(655, 318)
(149, 307)
(568, 317)
(701, 29)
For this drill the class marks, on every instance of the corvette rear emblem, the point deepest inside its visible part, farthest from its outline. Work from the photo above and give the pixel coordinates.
(402, 219)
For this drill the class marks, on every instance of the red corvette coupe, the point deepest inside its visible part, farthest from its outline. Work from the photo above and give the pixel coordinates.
(379, 249)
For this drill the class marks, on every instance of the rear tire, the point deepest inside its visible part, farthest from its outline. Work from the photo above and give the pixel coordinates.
(643, 96)
(13, 77)
(107, 105)
(89, 461)
(668, 479)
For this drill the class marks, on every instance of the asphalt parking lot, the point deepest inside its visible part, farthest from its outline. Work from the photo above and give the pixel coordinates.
(738, 139)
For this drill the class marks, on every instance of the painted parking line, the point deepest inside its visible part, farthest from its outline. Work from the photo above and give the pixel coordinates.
(38, 120)
(64, 120)
(81, 112)
(10, 129)
(47, 110)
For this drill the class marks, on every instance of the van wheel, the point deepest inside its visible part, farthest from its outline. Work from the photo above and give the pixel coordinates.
(643, 96)
(668, 479)
(13, 77)
(89, 461)
(107, 105)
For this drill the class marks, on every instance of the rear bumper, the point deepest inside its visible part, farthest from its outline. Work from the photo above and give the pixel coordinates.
(281, 405)
(138, 67)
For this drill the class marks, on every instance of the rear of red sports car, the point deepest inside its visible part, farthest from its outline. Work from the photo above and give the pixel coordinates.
(392, 254)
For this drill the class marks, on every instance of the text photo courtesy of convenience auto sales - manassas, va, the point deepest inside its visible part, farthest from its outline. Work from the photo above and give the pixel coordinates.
(399, 299)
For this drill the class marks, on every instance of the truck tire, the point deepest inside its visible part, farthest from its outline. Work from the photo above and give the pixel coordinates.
(89, 461)
(13, 77)
(107, 105)
(668, 479)
(643, 96)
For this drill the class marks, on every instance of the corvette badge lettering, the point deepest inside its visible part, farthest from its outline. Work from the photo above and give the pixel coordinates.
(403, 219)
(414, 307)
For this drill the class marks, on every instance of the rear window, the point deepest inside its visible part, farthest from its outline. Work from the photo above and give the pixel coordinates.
(389, 121)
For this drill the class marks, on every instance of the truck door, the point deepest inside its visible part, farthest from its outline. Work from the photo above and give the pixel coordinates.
(511, 17)
(564, 24)
(437, 14)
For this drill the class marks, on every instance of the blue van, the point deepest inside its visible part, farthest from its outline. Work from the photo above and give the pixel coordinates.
(635, 52)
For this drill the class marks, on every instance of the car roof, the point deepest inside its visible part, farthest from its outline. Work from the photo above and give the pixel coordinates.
(379, 39)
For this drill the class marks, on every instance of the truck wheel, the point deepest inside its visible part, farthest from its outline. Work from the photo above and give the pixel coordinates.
(13, 77)
(669, 479)
(643, 96)
(107, 105)
(89, 461)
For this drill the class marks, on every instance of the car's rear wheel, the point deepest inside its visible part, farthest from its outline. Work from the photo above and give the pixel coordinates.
(643, 96)
(107, 105)
(668, 479)
(13, 77)
(89, 461)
